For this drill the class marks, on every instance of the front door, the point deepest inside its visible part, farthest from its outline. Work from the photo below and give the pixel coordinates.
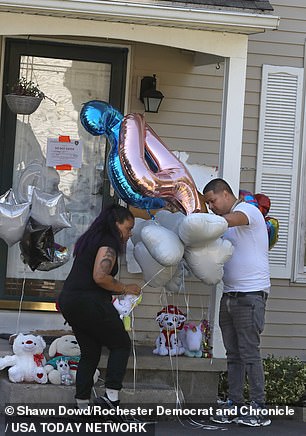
(69, 75)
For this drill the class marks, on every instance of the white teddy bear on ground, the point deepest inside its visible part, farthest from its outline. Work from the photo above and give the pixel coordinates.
(64, 348)
(27, 363)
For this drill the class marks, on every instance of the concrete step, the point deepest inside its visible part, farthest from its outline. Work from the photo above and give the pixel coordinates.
(47, 394)
(196, 377)
(149, 379)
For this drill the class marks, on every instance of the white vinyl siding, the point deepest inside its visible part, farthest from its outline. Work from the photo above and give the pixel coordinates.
(278, 153)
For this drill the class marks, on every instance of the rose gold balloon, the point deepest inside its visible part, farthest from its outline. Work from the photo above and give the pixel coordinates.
(171, 180)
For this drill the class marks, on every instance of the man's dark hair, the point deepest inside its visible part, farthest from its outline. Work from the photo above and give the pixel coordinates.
(104, 224)
(217, 185)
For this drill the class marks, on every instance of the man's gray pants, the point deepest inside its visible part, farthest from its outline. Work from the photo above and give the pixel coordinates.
(242, 319)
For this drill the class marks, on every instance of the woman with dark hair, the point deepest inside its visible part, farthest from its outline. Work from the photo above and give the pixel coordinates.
(86, 303)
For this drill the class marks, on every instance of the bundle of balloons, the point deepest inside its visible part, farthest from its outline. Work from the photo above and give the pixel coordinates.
(142, 171)
(34, 223)
(146, 174)
(172, 246)
(263, 203)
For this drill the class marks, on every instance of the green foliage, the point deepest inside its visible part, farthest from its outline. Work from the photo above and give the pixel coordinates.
(285, 381)
(27, 87)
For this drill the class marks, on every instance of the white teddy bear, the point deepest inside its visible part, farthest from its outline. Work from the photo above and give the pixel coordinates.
(64, 348)
(27, 363)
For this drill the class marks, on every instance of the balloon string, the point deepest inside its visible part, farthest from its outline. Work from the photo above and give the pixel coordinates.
(175, 373)
(20, 303)
(158, 272)
(180, 400)
(134, 353)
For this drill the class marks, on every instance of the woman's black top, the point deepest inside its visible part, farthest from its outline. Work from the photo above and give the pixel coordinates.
(80, 277)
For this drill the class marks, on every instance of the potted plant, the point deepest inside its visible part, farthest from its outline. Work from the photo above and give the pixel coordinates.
(25, 97)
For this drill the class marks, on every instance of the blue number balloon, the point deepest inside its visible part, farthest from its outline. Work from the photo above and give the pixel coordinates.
(100, 118)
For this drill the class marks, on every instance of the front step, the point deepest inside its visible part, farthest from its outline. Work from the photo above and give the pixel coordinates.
(47, 394)
(197, 378)
(149, 379)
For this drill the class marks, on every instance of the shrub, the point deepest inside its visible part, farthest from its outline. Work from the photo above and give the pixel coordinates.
(285, 381)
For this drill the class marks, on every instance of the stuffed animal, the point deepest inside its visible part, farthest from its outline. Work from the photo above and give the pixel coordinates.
(27, 363)
(192, 339)
(124, 306)
(66, 347)
(171, 321)
(64, 369)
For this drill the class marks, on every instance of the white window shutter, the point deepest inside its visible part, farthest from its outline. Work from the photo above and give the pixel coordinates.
(278, 156)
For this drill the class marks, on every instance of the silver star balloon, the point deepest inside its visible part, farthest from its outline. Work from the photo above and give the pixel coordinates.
(50, 210)
(13, 218)
(8, 197)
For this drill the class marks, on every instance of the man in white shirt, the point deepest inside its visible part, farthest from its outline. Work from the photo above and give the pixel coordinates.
(242, 308)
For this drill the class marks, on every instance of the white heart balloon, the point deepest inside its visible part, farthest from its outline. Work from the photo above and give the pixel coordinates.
(163, 244)
(197, 229)
(154, 274)
(207, 262)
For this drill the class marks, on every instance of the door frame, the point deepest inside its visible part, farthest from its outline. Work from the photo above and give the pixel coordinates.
(14, 49)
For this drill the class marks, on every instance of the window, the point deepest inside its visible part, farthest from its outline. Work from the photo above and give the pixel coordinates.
(278, 160)
(70, 75)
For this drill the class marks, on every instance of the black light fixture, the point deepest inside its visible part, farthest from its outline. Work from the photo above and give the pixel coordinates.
(149, 95)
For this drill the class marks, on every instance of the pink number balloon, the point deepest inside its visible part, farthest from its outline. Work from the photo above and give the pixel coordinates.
(171, 181)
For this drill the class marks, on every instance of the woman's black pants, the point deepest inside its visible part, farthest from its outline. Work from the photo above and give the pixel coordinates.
(96, 323)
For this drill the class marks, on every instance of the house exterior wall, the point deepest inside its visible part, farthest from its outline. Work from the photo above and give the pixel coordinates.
(189, 121)
(285, 330)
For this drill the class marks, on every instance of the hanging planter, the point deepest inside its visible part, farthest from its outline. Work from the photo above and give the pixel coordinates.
(22, 104)
(25, 97)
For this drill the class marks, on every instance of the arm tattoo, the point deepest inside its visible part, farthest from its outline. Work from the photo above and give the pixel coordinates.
(107, 261)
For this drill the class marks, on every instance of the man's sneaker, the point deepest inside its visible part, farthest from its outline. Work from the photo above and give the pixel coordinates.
(254, 417)
(225, 413)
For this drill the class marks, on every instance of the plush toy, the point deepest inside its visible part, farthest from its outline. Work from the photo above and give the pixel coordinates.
(64, 369)
(171, 321)
(27, 363)
(192, 339)
(64, 348)
(124, 306)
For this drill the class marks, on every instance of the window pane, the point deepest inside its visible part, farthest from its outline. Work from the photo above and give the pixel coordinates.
(70, 84)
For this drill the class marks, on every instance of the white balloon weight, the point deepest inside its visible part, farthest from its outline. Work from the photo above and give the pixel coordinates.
(13, 218)
(154, 274)
(197, 229)
(163, 244)
(206, 262)
(49, 210)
